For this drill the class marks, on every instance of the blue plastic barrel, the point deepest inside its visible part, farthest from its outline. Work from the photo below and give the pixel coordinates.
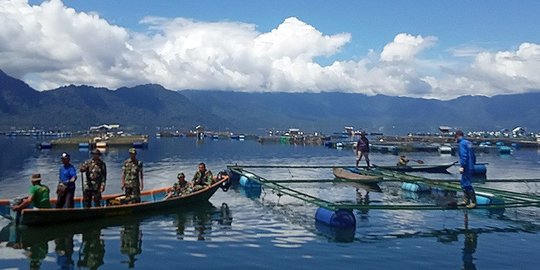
(505, 150)
(479, 169)
(340, 218)
(249, 183)
(84, 145)
(487, 199)
(415, 187)
(251, 192)
(342, 235)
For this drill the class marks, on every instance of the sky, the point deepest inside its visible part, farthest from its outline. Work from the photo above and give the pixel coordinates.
(423, 48)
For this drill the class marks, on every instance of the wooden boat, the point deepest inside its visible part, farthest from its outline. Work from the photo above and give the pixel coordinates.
(152, 200)
(343, 173)
(436, 168)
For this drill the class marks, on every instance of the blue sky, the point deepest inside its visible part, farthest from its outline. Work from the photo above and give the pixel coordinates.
(433, 49)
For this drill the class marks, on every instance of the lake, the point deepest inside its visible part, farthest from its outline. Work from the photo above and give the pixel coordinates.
(257, 229)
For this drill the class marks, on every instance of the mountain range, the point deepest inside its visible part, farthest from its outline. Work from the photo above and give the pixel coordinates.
(150, 106)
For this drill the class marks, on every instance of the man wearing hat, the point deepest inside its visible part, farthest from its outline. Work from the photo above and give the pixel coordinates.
(132, 176)
(362, 149)
(66, 185)
(182, 187)
(38, 195)
(403, 161)
(94, 182)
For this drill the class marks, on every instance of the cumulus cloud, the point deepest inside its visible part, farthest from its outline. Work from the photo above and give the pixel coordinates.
(405, 47)
(50, 45)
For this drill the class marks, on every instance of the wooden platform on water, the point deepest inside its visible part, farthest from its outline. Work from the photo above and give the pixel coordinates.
(91, 140)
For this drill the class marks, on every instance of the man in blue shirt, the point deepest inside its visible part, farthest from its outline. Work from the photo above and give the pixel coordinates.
(467, 159)
(66, 185)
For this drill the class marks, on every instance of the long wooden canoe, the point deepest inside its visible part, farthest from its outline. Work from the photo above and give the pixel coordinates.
(151, 200)
(437, 168)
(346, 174)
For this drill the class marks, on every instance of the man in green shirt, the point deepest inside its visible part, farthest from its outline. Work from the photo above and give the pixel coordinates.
(38, 195)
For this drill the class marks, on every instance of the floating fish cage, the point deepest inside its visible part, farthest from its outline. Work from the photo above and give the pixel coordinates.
(340, 214)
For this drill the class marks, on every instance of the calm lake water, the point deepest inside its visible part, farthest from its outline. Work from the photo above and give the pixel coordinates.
(246, 229)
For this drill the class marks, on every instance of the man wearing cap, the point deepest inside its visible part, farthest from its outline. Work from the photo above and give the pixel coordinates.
(132, 176)
(66, 185)
(467, 159)
(38, 195)
(182, 187)
(94, 182)
(362, 149)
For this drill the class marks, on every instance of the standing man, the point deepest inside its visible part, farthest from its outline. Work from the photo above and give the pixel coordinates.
(96, 176)
(362, 149)
(132, 176)
(202, 178)
(467, 159)
(66, 185)
(38, 195)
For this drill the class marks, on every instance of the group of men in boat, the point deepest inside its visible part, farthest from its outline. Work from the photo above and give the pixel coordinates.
(94, 182)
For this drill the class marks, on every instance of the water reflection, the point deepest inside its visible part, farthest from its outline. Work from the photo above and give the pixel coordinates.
(64, 251)
(86, 238)
(469, 244)
(131, 243)
(92, 250)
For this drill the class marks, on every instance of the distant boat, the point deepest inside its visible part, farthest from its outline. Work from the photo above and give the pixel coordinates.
(445, 149)
(346, 174)
(433, 168)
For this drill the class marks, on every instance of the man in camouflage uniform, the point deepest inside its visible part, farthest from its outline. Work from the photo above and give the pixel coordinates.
(94, 183)
(180, 188)
(132, 176)
(202, 178)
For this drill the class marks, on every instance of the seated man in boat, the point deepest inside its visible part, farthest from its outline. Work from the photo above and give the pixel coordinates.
(180, 188)
(38, 195)
(403, 161)
(202, 178)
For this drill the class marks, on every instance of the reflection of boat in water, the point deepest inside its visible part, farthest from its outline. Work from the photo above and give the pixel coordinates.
(151, 200)
(433, 168)
(92, 248)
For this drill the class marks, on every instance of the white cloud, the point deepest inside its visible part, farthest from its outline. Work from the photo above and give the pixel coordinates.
(52, 45)
(405, 47)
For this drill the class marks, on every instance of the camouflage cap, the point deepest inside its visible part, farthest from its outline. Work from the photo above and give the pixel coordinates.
(132, 151)
(180, 175)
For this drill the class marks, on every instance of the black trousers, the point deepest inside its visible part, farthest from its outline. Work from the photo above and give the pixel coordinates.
(65, 198)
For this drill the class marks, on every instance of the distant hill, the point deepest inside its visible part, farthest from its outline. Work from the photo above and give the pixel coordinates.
(78, 107)
(392, 115)
(149, 106)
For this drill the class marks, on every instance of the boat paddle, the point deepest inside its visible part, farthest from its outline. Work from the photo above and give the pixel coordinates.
(419, 161)
(82, 188)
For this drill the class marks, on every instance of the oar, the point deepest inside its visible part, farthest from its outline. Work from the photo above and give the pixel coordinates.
(82, 189)
(419, 161)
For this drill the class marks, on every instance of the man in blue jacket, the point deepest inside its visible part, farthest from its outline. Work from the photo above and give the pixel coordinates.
(66, 183)
(467, 159)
